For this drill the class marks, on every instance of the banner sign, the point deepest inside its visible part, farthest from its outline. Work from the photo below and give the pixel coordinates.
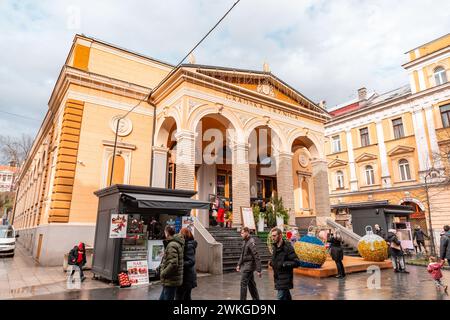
(137, 272)
(118, 226)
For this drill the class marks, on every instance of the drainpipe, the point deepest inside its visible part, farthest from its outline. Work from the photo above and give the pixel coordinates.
(151, 146)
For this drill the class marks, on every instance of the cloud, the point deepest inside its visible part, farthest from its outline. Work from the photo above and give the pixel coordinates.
(325, 49)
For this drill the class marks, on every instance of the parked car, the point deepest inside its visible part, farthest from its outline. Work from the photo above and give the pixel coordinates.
(7, 240)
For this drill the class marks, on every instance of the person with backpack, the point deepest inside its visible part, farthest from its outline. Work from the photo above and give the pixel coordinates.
(77, 257)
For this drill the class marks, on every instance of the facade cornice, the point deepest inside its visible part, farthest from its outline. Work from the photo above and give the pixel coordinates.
(428, 59)
(411, 103)
(181, 75)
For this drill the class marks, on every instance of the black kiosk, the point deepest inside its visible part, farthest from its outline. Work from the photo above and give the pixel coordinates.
(138, 215)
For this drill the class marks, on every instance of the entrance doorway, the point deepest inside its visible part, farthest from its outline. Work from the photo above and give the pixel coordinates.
(265, 187)
(224, 186)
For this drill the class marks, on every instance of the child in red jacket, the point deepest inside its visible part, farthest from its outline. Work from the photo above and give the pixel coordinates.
(434, 268)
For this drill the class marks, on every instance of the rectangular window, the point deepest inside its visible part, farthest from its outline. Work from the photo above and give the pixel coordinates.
(336, 144)
(364, 132)
(445, 114)
(398, 128)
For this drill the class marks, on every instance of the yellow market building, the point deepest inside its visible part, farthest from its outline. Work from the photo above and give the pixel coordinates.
(271, 139)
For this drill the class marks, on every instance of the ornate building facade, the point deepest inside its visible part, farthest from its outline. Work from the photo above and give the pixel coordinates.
(394, 146)
(239, 134)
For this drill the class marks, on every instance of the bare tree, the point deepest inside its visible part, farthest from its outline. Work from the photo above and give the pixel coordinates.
(15, 149)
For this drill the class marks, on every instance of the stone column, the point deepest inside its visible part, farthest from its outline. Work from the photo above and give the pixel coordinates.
(185, 160)
(321, 193)
(385, 175)
(421, 142)
(241, 181)
(435, 151)
(351, 162)
(285, 183)
(159, 174)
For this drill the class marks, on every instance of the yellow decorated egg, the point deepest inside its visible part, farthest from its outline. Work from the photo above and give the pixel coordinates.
(372, 247)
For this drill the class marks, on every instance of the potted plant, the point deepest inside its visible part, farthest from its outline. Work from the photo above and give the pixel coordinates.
(282, 215)
(259, 217)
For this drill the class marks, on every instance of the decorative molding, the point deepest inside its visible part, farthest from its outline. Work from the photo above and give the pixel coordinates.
(366, 157)
(125, 125)
(120, 145)
(400, 150)
(337, 163)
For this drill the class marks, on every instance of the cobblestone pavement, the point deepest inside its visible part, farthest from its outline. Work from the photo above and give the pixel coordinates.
(22, 277)
(414, 286)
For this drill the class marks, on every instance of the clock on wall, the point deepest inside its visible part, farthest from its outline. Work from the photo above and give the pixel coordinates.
(303, 159)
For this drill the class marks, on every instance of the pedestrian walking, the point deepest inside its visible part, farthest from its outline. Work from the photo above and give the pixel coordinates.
(171, 268)
(337, 253)
(284, 260)
(249, 262)
(189, 274)
(419, 236)
(445, 244)
(396, 252)
(434, 268)
(379, 231)
(77, 257)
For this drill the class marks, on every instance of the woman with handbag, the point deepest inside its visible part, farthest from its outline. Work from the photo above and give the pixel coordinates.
(396, 252)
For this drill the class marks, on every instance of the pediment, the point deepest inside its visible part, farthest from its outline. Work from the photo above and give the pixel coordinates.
(400, 150)
(337, 163)
(366, 157)
(264, 83)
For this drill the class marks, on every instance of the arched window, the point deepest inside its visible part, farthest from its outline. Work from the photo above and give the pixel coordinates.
(405, 173)
(370, 175)
(440, 77)
(340, 179)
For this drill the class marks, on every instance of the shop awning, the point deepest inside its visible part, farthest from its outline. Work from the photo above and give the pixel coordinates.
(398, 212)
(151, 201)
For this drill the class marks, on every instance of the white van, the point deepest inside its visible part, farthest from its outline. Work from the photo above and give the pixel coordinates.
(7, 240)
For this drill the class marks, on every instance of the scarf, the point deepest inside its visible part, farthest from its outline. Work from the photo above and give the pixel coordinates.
(80, 252)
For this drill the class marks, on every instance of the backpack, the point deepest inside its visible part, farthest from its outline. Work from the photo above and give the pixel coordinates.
(73, 255)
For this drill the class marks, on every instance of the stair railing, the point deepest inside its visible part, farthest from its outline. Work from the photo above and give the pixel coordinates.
(348, 236)
(208, 257)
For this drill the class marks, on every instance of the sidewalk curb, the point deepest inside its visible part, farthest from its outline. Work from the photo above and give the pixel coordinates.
(419, 264)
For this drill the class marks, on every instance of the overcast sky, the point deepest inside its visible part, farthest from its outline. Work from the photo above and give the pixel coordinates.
(324, 49)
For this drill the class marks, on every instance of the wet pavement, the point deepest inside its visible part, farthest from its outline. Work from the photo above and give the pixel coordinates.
(22, 277)
(417, 285)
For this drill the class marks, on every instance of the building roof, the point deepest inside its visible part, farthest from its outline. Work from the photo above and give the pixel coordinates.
(9, 168)
(373, 99)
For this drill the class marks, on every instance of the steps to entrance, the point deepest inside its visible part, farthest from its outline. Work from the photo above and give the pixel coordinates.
(232, 244)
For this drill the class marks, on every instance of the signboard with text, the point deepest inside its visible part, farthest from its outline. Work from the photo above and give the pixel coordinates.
(138, 272)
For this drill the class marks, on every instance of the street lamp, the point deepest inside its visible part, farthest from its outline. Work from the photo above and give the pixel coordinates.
(432, 173)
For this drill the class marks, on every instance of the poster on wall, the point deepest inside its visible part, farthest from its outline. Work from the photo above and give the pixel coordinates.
(118, 226)
(188, 222)
(248, 220)
(137, 272)
(155, 253)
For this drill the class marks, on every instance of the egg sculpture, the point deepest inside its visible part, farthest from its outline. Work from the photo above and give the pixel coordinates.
(310, 251)
(372, 247)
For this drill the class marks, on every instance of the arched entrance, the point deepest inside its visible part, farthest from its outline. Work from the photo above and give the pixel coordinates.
(418, 218)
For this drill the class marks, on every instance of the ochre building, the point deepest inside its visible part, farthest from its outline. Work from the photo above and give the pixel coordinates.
(395, 145)
(239, 134)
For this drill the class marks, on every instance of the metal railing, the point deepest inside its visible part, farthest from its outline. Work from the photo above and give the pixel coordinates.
(348, 236)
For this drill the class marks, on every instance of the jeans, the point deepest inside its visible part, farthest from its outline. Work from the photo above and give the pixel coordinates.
(80, 267)
(168, 293)
(284, 294)
(183, 293)
(421, 244)
(248, 280)
(340, 268)
(398, 262)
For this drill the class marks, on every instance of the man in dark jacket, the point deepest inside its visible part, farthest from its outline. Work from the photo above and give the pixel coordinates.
(396, 251)
(379, 231)
(337, 253)
(189, 273)
(420, 236)
(445, 244)
(284, 260)
(171, 273)
(77, 257)
(249, 262)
